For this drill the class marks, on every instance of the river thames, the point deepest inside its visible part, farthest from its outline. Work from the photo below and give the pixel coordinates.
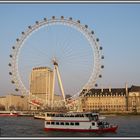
(129, 126)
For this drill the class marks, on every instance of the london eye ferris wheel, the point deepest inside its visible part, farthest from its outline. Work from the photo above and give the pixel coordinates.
(63, 44)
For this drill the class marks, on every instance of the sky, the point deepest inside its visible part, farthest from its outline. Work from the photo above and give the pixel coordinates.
(116, 25)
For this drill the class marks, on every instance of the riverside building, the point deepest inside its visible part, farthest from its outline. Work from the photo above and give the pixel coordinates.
(14, 102)
(41, 83)
(112, 100)
(116, 100)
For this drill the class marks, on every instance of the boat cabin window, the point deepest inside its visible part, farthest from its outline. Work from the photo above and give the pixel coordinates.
(77, 123)
(62, 123)
(92, 117)
(71, 123)
(50, 115)
(61, 115)
(66, 123)
(57, 123)
(100, 123)
(52, 123)
(95, 117)
(48, 123)
(93, 123)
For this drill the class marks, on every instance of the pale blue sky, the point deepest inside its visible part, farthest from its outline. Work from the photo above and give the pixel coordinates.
(116, 25)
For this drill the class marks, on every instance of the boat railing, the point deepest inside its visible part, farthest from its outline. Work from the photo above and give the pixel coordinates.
(89, 116)
(65, 115)
(102, 124)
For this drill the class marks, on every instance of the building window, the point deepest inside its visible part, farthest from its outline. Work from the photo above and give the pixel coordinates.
(48, 114)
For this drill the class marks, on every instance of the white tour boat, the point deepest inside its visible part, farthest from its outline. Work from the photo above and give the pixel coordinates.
(77, 121)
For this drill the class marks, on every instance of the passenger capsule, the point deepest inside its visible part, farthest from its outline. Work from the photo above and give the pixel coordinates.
(102, 66)
(62, 17)
(101, 48)
(10, 55)
(22, 33)
(102, 57)
(92, 32)
(53, 17)
(13, 47)
(97, 39)
(36, 22)
(96, 85)
(16, 89)
(12, 82)
(45, 19)
(78, 21)
(29, 27)
(10, 73)
(100, 76)
(10, 64)
(17, 39)
(70, 18)
(86, 26)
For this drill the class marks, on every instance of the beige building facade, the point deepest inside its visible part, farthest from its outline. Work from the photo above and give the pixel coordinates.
(112, 100)
(104, 100)
(41, 82)
(134, 99)
(14, 102)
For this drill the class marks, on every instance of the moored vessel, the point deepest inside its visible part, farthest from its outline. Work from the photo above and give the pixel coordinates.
(40, 116)
(8, 113)
(77, 121)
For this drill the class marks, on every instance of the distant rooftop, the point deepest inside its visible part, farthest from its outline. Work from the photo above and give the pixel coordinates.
(134, 88)
(37, 68)
(12, 94)
(112, 91)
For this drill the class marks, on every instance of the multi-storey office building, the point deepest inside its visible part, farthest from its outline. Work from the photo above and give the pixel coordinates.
(41, 81)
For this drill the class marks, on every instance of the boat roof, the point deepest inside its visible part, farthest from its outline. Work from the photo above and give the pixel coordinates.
(73, 113)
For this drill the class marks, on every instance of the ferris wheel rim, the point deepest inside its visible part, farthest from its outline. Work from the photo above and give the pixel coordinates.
(86, 32)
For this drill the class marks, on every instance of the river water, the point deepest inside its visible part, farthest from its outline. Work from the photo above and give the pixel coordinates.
(129, 126)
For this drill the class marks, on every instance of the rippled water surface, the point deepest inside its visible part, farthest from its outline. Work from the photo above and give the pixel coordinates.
(129, 126)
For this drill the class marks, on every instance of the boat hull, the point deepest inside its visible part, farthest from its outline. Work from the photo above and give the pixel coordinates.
(39, 117)
(110, 129)
(4, 115)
